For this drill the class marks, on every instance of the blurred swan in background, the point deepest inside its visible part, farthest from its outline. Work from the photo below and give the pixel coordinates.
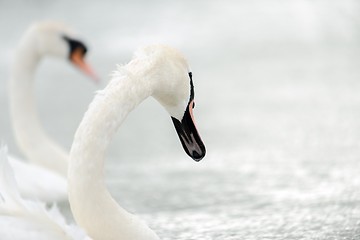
(42, 176)
(157, 71)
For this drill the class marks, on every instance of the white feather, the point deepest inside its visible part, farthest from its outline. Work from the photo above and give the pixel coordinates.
(22, 219)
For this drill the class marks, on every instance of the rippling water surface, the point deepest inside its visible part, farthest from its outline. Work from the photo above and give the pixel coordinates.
(277, 104)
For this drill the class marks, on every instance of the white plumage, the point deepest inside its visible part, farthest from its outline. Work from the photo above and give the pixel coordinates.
(157, 71)
(26, 219)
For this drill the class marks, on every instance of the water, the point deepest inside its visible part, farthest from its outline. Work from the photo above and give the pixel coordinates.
(277, 104)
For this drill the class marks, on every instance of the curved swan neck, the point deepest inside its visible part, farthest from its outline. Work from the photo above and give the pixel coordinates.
(21, 93)
(92, 206)
(29, 133)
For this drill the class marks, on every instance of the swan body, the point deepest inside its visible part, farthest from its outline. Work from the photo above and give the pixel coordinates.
(45, 157)
(29, 220)
(157, 71)
(31, 184)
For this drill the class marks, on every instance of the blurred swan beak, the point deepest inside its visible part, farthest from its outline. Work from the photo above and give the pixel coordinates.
(77, 58)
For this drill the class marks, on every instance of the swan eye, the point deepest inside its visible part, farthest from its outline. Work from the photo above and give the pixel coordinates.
(193, 105)
(75, 45)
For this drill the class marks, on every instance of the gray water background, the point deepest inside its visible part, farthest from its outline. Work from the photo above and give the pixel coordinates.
(277, 88)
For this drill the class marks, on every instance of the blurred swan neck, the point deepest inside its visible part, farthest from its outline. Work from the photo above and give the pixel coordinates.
(22, 101)
(29, 133)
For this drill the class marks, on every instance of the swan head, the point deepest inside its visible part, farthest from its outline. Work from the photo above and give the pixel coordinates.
(173, 88)
(58, 40)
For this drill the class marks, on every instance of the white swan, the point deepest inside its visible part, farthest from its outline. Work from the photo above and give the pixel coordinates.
(28, 220)
(157, 71)
(41, 39)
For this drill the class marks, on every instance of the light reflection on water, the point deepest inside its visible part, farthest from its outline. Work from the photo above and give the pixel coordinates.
(277, 106)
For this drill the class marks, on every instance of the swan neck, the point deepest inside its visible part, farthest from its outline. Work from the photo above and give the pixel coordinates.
(22, 101)
(92, 205)
(29, 133)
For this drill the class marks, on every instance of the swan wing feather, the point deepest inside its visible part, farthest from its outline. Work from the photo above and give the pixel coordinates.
(22, 219)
